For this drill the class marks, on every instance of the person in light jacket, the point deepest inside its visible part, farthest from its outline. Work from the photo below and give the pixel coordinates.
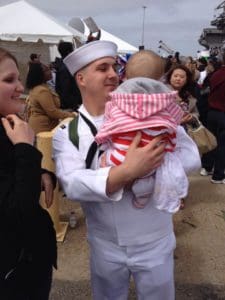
(44, 104)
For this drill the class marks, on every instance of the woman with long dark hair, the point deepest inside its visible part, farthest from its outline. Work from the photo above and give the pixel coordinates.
(179, 78)
(44, 104)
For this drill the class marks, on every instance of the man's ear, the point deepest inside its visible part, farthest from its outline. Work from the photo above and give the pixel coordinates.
(79, 78)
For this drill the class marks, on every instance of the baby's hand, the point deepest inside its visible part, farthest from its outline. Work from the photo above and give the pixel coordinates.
(103, 161)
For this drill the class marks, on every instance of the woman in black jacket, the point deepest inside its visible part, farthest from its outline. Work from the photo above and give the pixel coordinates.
(28, 240)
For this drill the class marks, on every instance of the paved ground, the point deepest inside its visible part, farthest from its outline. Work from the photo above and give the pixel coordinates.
(199, 257)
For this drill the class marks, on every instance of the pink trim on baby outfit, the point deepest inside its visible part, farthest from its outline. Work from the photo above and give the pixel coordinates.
(131, 112)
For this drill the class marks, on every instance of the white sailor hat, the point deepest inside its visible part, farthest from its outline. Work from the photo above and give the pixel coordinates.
(88, 53)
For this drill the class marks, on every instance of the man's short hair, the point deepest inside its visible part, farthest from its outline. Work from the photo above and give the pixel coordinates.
(203, 61)
(33, 56)
(65, 48)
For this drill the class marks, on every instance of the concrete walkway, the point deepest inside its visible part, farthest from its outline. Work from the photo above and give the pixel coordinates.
(199, 256)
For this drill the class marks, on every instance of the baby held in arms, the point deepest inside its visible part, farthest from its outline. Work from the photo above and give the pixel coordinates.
(147, 106)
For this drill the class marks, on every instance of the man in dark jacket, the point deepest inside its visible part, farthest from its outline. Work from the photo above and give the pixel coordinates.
(65, 85)
(214, 161)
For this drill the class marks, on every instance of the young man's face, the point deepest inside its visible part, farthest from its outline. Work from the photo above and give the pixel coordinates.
(99, 79)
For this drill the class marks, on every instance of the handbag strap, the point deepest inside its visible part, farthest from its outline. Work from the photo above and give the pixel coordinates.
(195, 124)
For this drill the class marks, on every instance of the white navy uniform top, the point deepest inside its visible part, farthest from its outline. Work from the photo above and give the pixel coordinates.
(113, 217)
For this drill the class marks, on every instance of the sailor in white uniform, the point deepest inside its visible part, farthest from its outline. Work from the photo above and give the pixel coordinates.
(123, 240)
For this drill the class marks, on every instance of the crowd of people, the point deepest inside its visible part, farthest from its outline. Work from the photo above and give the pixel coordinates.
(128, 168)
(203, 95)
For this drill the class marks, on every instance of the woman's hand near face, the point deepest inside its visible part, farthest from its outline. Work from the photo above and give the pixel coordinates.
(186, 118)
(17, 130)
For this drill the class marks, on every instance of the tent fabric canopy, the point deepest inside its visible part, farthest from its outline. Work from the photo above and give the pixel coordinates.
(123, 47)
(22, 20)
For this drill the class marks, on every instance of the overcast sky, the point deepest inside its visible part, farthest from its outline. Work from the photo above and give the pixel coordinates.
(178, 23)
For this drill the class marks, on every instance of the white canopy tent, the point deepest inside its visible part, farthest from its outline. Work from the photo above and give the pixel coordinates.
(22, 20)
(26, 29)
(123, 47)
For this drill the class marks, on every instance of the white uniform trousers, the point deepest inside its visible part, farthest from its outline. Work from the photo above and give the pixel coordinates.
(151, 265)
